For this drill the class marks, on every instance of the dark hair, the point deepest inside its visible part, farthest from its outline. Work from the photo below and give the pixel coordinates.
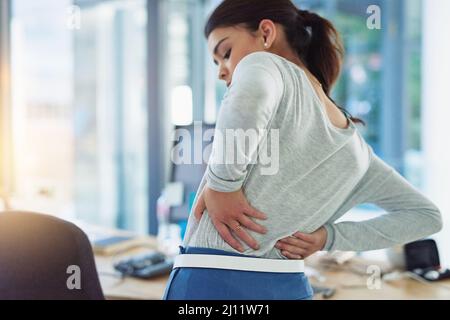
(314, 38)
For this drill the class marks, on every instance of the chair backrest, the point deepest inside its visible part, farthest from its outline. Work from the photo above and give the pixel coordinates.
(43, 257)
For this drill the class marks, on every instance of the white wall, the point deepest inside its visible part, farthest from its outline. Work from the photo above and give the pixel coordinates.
(436, 113)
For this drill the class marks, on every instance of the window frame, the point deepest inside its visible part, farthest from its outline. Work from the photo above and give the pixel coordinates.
(6, 161)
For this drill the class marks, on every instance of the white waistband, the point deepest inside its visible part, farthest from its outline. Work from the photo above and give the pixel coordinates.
(238, 263)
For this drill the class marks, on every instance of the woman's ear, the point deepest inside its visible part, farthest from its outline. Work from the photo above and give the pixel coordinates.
(268, 32)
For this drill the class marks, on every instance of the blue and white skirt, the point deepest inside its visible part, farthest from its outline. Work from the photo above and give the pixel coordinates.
(224, 284)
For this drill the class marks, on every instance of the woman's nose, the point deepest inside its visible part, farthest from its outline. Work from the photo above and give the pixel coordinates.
(223, 74)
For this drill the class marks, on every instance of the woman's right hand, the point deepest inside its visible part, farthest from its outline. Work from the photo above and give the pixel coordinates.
(230, 211)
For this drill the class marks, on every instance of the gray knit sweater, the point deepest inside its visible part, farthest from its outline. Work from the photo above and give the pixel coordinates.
(321, 171)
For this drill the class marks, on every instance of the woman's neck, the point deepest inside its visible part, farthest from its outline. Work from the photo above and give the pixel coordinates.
(293, 57)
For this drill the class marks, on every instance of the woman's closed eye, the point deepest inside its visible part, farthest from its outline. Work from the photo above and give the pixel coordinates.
(227, 54)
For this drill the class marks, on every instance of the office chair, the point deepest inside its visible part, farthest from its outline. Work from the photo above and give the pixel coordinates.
(43, 258)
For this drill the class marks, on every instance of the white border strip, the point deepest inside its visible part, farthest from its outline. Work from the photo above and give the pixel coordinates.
(238, 263)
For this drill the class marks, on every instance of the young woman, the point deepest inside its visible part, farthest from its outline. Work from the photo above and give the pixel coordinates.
(249, 232)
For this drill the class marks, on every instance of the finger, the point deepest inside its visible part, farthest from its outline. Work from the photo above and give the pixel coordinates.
(296, 242)
(305, 237)
(292, 249)
(200, 207)
(251, 225)
(198, 211)
(228, 237)
(243, 235)
(289, 255)
(252, 212)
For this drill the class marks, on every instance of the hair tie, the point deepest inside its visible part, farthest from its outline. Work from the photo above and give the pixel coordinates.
(305, 22)
(307, 18)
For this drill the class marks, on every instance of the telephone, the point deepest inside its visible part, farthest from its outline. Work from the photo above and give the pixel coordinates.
(148, 265)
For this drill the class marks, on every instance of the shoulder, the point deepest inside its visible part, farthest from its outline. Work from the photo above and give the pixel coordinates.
(257, 67)
(259, 57)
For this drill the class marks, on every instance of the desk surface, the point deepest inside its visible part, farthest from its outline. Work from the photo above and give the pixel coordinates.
(127, 288)
(115, 287)
(349, 286)
(354, 286)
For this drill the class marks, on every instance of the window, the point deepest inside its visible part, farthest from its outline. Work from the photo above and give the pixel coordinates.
(380, 81)
(79, 110)
(184, 61)
(79, 99)
(179, 63)
(42, 113)
(5, 109)
(110, 114)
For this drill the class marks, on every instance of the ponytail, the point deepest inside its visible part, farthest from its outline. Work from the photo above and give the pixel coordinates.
(322, 50)
(314, 38)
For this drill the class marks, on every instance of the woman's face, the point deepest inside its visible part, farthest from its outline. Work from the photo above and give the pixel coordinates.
(228, 45)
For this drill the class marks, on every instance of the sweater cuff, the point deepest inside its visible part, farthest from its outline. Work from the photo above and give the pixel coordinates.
(220, 185)
(330, 237)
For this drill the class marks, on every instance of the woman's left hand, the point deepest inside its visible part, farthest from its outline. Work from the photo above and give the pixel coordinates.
(301, 245)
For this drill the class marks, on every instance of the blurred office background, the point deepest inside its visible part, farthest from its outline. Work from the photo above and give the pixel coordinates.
(91, 90)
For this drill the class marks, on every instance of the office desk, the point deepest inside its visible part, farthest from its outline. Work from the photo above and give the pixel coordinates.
(127, 288)
(353, 286)
(115, 287)
(350, 286)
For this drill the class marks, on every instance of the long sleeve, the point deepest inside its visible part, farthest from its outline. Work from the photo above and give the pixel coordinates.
(410, 216)
(245, 114)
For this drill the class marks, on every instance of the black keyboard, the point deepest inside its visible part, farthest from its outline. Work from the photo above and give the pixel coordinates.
(145, 266)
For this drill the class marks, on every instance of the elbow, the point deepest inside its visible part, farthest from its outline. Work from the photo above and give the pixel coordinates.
(219, 184)
(436, 223)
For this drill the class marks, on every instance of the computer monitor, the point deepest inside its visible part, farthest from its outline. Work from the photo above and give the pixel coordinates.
(189, 174)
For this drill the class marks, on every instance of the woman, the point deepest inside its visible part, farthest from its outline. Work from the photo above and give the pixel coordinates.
(280, 64)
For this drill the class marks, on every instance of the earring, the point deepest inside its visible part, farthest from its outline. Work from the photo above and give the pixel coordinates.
(265, 44)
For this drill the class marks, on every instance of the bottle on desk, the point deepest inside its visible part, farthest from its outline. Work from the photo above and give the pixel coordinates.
(169, 237)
